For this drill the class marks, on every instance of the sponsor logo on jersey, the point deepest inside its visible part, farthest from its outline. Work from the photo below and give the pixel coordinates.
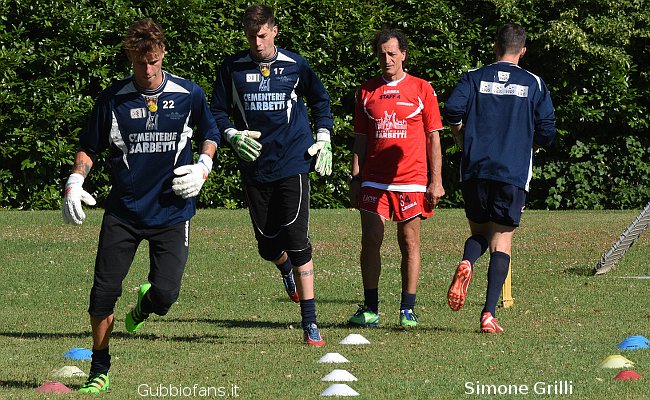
(389, 127)
(501, 89)
(503, 76)
(152, 142)
(265, 101)
(253, 77)
(138, 113)
(403, 103)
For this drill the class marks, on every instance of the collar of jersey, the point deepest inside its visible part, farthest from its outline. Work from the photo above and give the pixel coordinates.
(266, 60)
(150, 92)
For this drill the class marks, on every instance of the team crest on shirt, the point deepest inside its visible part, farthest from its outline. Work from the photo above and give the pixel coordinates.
(503, 76)
(265, 85)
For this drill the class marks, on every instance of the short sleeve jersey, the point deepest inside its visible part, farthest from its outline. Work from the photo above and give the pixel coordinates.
(395, 117)
(149, 134)
(272, 96)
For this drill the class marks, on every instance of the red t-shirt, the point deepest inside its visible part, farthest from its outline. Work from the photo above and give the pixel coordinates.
(395, 117)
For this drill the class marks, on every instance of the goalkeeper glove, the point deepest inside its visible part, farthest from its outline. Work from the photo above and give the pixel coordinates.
(324, 149)
(244, 143)
(190, 178)
(73, 213)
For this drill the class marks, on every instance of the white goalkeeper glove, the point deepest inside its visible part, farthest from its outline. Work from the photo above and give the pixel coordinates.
(190, 178)
(73, 213)
(244, 143)
(324, 149)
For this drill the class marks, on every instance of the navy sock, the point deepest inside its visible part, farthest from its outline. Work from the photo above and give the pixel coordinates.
(371, 299)
(101, 362)
(307, 312)
(475, 246)
(146, 307)
(497, 273)
(408, 301)
(285, 267)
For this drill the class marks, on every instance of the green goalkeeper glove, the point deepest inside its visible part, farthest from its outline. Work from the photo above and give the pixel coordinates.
(244, 143)
(323, 148)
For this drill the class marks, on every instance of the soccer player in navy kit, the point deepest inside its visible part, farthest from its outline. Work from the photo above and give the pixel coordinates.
(264, 89)
(147, 121)
(498, 115)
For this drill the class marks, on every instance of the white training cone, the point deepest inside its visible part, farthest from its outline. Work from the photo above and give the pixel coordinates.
(339, 389)
(616, 361)
(354, 338)
(339, 375)
(69, 372)
(333, 358)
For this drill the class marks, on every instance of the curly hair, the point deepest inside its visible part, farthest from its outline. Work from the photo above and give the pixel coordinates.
(144, 37)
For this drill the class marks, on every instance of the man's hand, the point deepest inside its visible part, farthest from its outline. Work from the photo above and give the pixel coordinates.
(324, 149)
(73, 213)
(190, 178)
(244, 143)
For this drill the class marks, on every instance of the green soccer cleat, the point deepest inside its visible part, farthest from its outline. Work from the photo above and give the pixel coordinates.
(364, 317)
(96, 383)
(408, 319)
(136, 318)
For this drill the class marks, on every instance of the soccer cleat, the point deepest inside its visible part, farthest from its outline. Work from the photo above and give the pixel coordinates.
(96, 383)
(135, 318)
(290, 287)
(364, 317)
(408, 318)
(458, 288)
(489, 324)
(311, 336)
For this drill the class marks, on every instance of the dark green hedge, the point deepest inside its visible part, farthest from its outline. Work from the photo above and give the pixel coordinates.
(55, 56)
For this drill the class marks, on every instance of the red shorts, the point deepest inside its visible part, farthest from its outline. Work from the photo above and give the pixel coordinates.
(396, 206)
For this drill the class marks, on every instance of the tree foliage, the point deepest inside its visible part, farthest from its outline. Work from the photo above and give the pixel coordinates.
(55, 57)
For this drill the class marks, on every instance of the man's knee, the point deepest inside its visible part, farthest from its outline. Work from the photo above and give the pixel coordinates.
(103, 300)
(162, 299)
(300, 257)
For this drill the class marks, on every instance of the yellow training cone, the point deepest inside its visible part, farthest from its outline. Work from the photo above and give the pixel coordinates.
(616, 361)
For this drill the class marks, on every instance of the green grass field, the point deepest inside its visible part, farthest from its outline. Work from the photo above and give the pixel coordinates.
(234, 325)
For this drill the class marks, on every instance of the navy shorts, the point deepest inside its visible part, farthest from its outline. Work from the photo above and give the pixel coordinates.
(499, 202)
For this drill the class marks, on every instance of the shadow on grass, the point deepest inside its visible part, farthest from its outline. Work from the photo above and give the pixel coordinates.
(46, 335)
(18, 384)
(229, 323)
(580, 271)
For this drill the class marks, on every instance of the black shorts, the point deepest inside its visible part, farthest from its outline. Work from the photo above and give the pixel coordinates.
(280, 214)
(487, 200)
(118, 243)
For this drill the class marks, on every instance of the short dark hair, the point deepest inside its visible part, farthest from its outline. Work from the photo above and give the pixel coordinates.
(256, 16)
(510, 39)
(386, 34)
(144, 37)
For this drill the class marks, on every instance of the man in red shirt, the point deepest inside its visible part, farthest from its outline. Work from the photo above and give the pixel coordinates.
(396, 170)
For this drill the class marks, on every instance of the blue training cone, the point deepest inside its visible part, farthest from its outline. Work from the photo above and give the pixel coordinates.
(634, 343)
(79, 353)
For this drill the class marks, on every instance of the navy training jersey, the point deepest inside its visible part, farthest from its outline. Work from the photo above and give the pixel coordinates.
(149, 133)
(504, 109)
(267, 96)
